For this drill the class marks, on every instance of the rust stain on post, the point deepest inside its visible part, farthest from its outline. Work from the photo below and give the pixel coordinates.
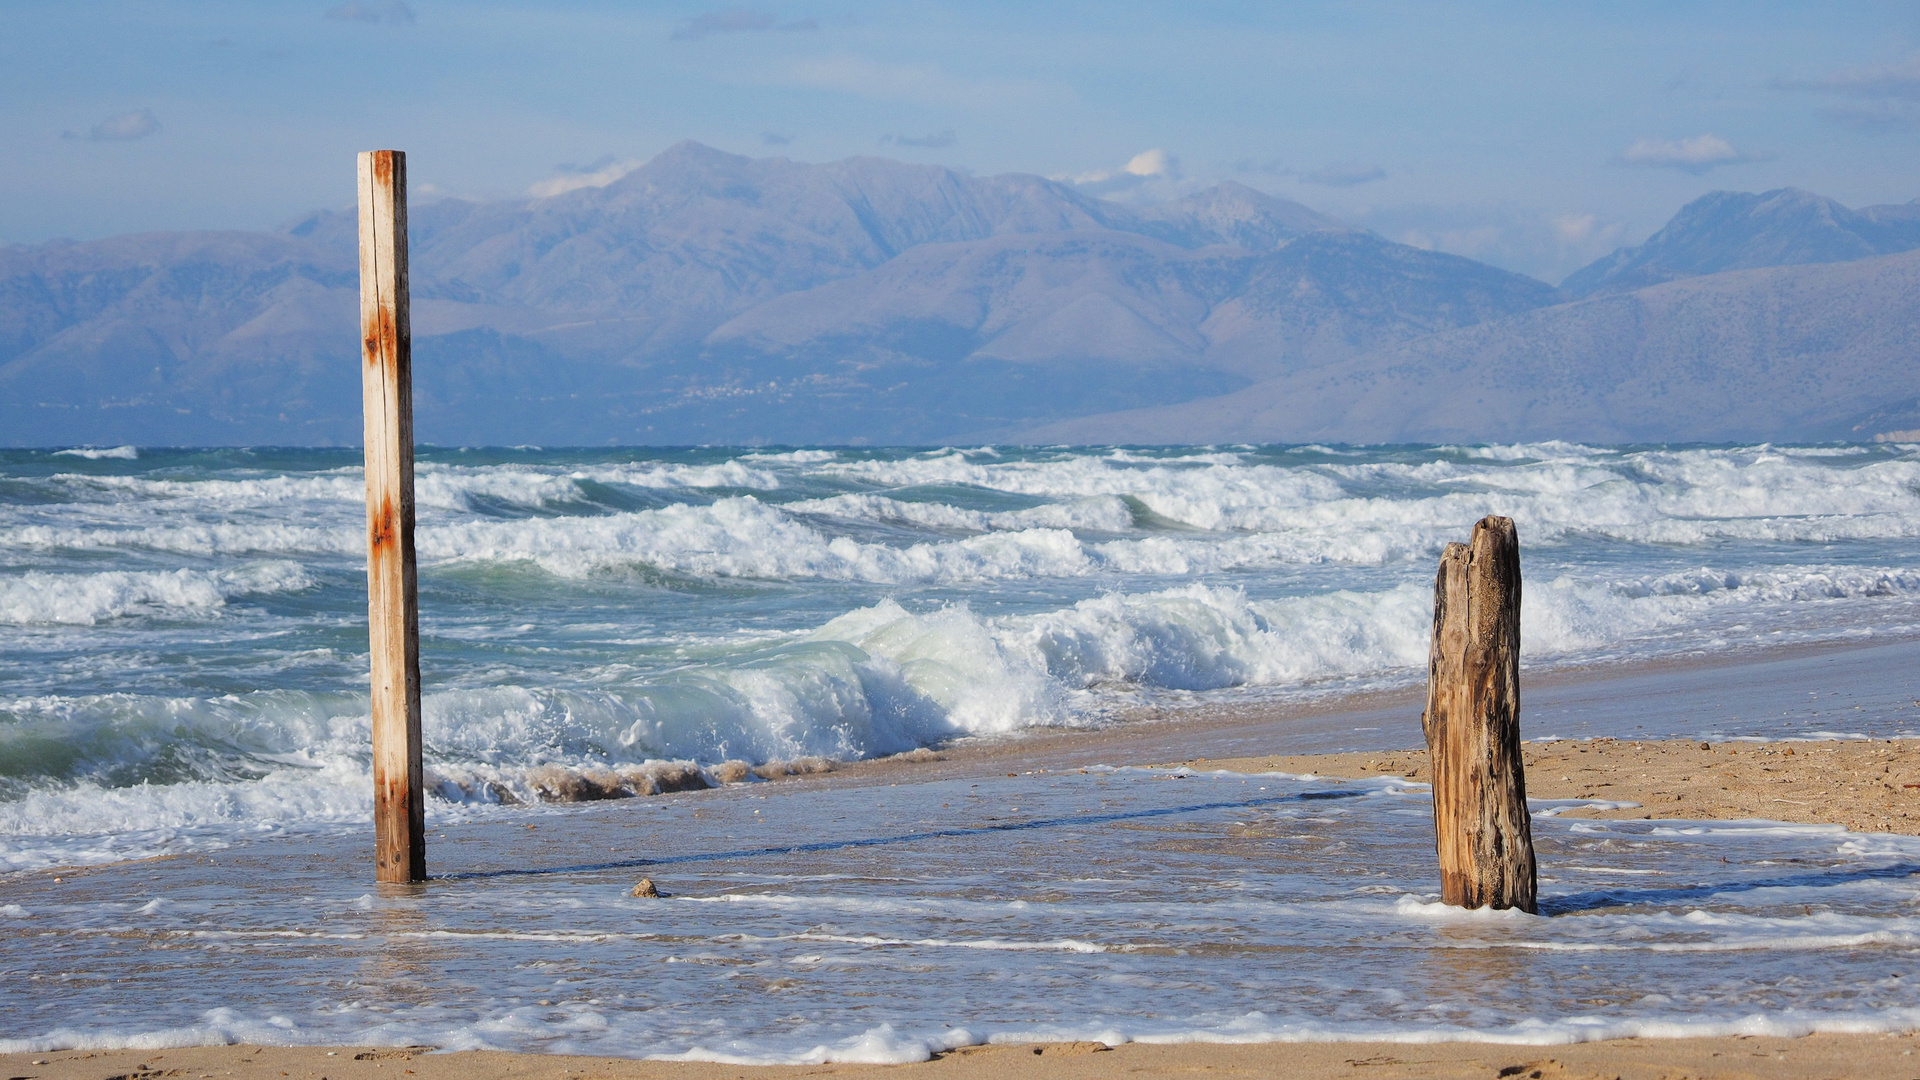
(393, 609)
(1483, 831)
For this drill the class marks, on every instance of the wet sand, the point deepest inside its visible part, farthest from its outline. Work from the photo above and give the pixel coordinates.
(1858, 783)
(1867, 786)
(1757, 1058)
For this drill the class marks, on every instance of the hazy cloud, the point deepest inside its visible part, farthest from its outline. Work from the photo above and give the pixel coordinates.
(1878, 97)
(1270, 167)
(899, 82)
(1886, 115)
(575, 177)
(1344, 174)
(1339, 174)
(394, 13)
(121, 127)
(932, 139)
(1695, 155)
(1900, 79)
(774, 138)
(1587, 231)
(737, 21)
(1546, 244)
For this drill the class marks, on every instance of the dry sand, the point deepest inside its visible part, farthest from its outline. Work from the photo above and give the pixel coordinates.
(1867, 786)
(1816, 1057)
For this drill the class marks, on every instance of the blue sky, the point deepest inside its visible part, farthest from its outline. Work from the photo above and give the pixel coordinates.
(1533, 135)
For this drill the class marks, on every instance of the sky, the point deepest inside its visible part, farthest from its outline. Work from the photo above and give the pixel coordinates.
(1535, 136)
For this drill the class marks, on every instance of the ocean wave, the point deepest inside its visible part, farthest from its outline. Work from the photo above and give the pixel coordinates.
(1258, 514)
(1100, 513)
(870, 602)
(879, 680)
(86, 599)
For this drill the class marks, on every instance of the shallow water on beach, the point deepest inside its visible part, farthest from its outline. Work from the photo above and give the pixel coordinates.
(182, 638)
(816, 920)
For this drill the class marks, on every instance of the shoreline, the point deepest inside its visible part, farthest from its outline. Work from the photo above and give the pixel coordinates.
(1723, 780)
(1612, 699)
(1729, 1057)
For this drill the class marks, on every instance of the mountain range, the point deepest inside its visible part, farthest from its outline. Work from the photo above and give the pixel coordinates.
(707, 297)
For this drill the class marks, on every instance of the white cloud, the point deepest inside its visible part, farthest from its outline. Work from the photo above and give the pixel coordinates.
(1151, 173)
(1154, 162)
(124, 127)
(599, 174)
(1695, 155)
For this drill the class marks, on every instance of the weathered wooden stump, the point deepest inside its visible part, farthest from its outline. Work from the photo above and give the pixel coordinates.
(393, 605)
(1472, 722)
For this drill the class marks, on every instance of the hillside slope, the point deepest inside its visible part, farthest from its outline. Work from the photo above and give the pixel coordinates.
(708, 297)
(1803, 352)
(1735, 230)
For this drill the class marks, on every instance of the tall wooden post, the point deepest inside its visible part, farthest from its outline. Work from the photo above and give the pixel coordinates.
(1485, 835)
(393, 604)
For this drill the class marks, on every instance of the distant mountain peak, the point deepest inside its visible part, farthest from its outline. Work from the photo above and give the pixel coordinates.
(1738, 230)
(1228, 213)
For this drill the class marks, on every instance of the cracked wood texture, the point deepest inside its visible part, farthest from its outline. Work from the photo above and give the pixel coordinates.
(393, 606)
(1472, 722)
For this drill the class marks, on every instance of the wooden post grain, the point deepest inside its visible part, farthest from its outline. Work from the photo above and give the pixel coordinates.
(393, 605)
(1472, 722)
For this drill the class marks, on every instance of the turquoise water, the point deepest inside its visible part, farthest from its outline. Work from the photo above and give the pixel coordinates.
(184, 645)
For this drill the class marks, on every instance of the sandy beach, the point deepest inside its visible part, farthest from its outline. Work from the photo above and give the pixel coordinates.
(1864, 785)
(1815, 1057)
(1868, 785)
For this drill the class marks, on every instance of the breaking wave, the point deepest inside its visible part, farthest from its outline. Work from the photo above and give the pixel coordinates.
(187, 654)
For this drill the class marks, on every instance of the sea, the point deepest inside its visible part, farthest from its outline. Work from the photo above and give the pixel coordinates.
(185, 793)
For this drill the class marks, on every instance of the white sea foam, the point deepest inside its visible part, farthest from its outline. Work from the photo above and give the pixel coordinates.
(1250, 515)
(881, 1045)
(118, 453)
(218, 1027)
(728, 474)
(1106, 513)
(873, 681)
(86, 599)
(1094, 576)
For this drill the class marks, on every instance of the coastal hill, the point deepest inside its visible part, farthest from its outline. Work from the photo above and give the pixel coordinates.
(1735, 230)
(1781, 315)
(1786, 353)
(706, 297)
